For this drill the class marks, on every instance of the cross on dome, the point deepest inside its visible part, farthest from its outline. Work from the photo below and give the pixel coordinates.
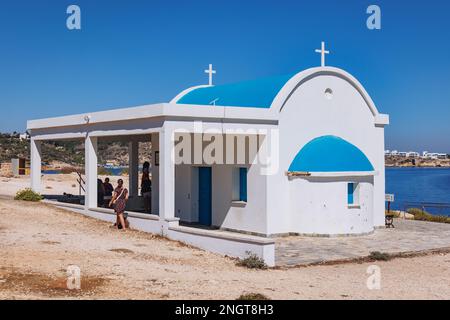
(323, 52)
(210, 72)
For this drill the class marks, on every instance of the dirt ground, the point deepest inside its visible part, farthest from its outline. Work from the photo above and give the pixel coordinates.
(52, 184)
(38, 243)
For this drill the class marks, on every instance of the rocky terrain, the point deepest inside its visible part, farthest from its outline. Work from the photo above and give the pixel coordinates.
(60, 154)
(398, 161)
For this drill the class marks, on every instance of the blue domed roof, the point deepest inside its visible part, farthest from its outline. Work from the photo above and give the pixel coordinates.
(258, 93)
(330, 154)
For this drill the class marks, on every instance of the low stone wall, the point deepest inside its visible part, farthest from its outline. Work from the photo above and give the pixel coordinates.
(221, 242)
(225, 243)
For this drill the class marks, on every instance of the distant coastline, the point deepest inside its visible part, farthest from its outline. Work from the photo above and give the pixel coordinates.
(415, 162)
(416, 167)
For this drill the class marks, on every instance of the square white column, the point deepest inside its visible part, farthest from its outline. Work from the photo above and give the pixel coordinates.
(166, 174)
(133, 156)
(35, 165)
(91, 172)
(155, 173)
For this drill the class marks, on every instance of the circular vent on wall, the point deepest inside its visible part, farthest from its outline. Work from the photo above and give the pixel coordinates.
(328, 93)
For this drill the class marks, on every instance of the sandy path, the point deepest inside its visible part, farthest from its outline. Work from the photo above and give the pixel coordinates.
(39, 242)
(52, 184)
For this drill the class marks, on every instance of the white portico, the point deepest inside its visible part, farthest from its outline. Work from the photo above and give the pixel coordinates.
(156, 123)
(159, 124)
(295, 154)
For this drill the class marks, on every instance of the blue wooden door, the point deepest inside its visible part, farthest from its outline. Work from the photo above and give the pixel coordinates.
(204, 196)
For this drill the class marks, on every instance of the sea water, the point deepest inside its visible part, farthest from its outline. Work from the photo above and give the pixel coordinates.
(419, 185)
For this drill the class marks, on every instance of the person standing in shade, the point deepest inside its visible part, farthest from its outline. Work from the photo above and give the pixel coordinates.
(100, 194)
(146, 187)
(119, 201)
(146, 168)
(108, 188)
(146, 191)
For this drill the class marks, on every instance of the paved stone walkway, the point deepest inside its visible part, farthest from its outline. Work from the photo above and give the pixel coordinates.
(408, 236)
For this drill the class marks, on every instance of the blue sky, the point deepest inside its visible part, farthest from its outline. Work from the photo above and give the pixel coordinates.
(138, 52)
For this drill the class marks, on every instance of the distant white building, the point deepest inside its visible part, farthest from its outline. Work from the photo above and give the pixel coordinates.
(23, 136)
(111, 163)
(412, 154)
(433, 155)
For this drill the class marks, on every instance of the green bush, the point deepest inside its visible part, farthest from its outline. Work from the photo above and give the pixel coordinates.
(252, 262)
(28, 195)
(252, 296)
(380, 256)
(422, 215)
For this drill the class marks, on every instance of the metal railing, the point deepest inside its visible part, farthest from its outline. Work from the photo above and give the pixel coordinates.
(435, 208)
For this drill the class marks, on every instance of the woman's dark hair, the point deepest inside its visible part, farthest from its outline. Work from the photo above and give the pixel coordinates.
(120, 181)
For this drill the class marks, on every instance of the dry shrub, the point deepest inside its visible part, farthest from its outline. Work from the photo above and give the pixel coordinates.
(422, 215)
(252, 261)
(380, 256)
(28, 195)
(252, 296)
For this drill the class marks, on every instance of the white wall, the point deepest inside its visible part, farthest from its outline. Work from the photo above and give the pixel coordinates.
(227, 246)
(36, 165)
(249, 217)
(225, 213)
(183, 193)
(319, 206)
(308, 114)
(379, 179)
